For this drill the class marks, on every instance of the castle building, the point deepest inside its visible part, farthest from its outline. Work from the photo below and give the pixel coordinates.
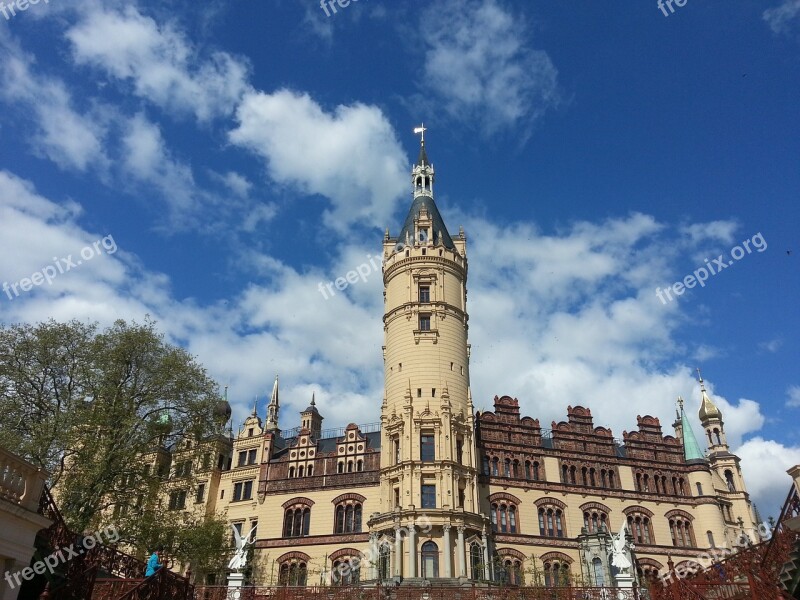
(436, 491)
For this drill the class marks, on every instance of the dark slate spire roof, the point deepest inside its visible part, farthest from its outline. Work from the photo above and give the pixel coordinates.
(436, 218)
(423, 157)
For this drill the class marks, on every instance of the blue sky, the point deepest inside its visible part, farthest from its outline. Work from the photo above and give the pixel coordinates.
(240, 153)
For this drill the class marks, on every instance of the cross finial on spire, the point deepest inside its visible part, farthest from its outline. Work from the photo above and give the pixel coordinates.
(680, 402)
(702, 383)
(421, 130)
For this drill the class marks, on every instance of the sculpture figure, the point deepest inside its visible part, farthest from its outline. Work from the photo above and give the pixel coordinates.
(240, 554)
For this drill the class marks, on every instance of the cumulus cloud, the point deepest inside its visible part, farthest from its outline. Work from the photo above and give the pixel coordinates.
(350, 155)
(781, 19)
(70, 138)
(479, 67)
(764, 464)
(159, 62)
(793, 395)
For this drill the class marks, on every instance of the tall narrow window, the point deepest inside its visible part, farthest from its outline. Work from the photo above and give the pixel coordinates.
(424, 322)
(396, 446)
(427, 448)
(428, 496)
(459, 450)
(424, 294)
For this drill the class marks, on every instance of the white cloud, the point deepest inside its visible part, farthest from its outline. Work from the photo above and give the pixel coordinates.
(793, 394)
(161, 64)
(479, 66)
(782, 18)
(764, 464)
(147, 159)
(71, 139)
(350, 156)
(771, 346)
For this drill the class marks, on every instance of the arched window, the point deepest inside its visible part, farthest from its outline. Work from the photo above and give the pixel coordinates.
(528, 470)
(348, 515)
(729, 480)
(310, 471)
(300, 471)
(293, 573)
(584, 478)
(291, 472)
(699, 489)
(346, 571)
(515, 469)
(572, 471)
(592, 478)
(611, 483)
(595, 520)
(349, 466)
(360, 465)
(507, 468)
(556, 574)
(430, 560)
(504, 517)
(597, 573)
(641, 528)
(551, 522)
(296, 521)
(536, 470)
(495, 466)
(340, 467)
(486, 470)
(680, 529)
(718, 438)
(512, 571)
(384, 557)
(711, 543)
(476, 561)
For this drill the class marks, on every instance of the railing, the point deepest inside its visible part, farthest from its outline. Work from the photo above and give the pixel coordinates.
(20, 482)
(431, 592)
(336, 432)
(81, 571)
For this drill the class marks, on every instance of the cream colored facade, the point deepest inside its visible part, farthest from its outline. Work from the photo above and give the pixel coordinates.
(415, 497)
(21, 485)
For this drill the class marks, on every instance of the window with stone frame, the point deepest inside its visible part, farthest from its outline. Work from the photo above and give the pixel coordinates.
(504, 515)
(595, 517)
(293, 570)
(297, 517)
(533, 470)
(552, 520)
(640, 525)
(556, 569)
(346, 567)
(348, 513)
(680, 529)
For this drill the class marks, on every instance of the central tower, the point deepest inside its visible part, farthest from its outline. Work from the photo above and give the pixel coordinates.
(429, 502)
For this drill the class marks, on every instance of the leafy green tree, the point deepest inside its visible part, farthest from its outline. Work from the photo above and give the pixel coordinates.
(87, 405)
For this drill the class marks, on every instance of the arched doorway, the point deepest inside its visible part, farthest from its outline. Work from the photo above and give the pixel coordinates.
(430, 560)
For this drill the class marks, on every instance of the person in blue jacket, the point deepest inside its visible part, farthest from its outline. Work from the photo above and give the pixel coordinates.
(154, 563)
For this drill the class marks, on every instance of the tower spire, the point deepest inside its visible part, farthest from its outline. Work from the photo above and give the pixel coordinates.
(273, 409)
(691, 449)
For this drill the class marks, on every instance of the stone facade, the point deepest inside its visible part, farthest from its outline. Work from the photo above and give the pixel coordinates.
(438, 491)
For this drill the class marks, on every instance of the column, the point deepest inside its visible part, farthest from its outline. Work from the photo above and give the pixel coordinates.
(412, 550)
(460, 549)
(397, 563)
(448, 553)
(485, 556)
(374, 557)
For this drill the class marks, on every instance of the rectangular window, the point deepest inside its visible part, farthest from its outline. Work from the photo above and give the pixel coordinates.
(459, 450)
(242, 490)
(242, 460)
(427, 448)
(424, 322)
(461, 496)
(206, 460)
(424, 294)
(251, 457)
(397, 497)
(396, 445)
(177, 500)
(201, 493)
(428, 496)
